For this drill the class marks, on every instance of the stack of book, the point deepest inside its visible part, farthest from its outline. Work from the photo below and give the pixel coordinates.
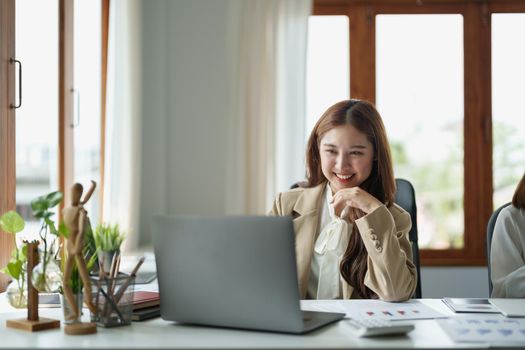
(146, 305)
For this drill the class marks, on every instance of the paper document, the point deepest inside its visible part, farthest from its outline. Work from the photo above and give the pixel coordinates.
(510, 307)
(470, 305)
(374, 309)
(494, 329)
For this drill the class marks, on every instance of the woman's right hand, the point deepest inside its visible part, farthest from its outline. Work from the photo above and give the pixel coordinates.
(354, 197)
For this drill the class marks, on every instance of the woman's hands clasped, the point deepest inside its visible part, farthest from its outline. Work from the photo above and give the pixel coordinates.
(354, 197)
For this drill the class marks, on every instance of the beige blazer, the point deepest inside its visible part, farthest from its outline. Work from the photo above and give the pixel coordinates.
(391, 273)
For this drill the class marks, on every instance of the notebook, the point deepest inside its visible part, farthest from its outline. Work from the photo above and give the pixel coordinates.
(232, 271)
(145, 314)
(145, 299)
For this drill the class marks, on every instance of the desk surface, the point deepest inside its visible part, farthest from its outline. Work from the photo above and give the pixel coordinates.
(159, 334)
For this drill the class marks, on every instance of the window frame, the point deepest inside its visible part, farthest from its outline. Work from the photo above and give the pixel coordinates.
(478, 182)
(103, 88)
(66, 140)
(7, 127)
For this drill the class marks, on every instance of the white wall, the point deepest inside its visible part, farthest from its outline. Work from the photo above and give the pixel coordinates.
(185, 120)
(467, 282)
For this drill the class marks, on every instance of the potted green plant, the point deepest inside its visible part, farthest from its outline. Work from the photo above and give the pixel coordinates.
(108, 239)
(46, 276)
(76, 281)
(11, 222)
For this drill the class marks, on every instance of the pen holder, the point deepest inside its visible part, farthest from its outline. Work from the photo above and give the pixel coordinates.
(113, 298)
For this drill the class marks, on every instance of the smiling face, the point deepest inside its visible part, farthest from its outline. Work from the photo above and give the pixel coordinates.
(346, 157)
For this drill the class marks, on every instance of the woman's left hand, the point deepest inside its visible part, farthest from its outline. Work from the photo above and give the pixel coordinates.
(354, 197)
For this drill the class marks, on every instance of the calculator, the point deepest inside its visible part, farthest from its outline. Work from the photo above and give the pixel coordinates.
(378, 327)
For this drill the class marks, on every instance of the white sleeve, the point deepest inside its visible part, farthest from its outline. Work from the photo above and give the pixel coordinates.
(506, 255)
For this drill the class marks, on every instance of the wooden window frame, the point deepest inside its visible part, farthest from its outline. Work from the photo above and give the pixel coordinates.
(7, 127)
(66, 142)
(103, 89)
(478, 182)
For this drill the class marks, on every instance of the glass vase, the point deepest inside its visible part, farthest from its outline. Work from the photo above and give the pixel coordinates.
(69, 315)
(16, 296)
(46, 276)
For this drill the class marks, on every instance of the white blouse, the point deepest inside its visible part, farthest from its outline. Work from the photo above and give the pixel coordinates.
(324, 281)
(507, 257)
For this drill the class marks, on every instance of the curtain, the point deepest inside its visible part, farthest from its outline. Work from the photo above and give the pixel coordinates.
(266, 141)
(123, 106)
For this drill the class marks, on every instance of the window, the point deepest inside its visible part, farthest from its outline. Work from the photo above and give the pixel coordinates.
(427, 66)
(87, 78)
(43, 155)
(37, 118)
(508, 112)
(419, 93)
(328, 77)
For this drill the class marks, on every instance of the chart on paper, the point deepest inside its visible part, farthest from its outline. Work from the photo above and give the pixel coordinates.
(374, 309)
(492, 329)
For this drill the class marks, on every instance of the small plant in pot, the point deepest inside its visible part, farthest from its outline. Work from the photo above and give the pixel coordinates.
(11, 222)
(76, 281)
(46, 276)
(108, 239)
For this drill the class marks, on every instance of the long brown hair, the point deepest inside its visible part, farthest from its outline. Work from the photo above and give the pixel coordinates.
(518, 200)
(363, 116)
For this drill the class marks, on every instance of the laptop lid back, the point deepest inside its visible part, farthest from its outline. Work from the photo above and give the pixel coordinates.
(228, 271)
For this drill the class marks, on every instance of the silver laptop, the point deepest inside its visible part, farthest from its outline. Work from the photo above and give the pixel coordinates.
(231, 271)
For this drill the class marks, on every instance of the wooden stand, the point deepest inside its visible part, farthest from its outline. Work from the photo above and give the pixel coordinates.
(33, 323)
(33, 326)
(80, 328)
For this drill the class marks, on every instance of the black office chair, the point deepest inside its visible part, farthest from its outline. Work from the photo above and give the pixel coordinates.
(490, 233)
(406, 199)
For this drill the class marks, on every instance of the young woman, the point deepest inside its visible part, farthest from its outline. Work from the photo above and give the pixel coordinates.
(507, 253)
(351, 239)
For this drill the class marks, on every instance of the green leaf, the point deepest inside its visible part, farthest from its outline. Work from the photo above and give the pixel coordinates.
(12, 222)
(89, 240)
(63, 230)
(54, 198)
(39, 206)
(108, 237)
(51, 224)
(42, 204)
(14, 269)
(19, 255)
(22, 256)
(91, 261)
(76, 281)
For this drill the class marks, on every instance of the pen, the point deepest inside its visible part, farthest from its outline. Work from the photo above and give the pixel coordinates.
(128, 281)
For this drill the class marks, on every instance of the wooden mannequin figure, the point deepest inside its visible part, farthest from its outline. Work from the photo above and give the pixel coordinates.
(76, 220)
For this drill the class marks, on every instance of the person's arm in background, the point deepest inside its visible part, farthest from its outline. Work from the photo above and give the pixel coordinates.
(276, 208)
(506, 255)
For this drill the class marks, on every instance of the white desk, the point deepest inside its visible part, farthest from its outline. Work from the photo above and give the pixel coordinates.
(159, 334)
